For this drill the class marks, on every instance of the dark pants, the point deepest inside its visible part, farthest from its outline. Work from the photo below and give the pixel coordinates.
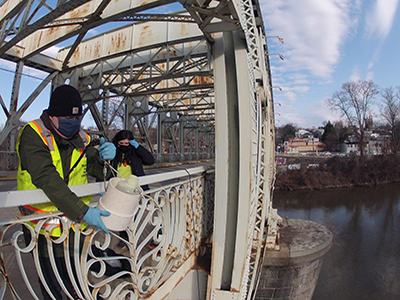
(47, 269)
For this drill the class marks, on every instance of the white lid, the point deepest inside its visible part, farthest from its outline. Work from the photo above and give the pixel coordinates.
(130, 185)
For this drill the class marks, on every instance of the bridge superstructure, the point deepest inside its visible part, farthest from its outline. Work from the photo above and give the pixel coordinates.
(198, 73)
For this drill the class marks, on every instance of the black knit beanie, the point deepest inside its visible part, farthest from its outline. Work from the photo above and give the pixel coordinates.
(65, 101)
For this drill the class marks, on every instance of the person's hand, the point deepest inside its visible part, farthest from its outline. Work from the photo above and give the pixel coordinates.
(134, 143)
(92, 217)
(107, 150)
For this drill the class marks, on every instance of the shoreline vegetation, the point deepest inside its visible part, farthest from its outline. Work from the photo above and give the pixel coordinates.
(339, 172)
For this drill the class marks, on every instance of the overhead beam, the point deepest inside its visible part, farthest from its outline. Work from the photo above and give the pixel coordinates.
(147, 35)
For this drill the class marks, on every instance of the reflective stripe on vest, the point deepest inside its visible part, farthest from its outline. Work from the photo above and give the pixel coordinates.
(77, 176)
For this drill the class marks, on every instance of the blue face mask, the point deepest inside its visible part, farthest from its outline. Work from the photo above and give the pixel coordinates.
(69, 127)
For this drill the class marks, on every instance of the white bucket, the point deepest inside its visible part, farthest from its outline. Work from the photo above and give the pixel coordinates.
(122, 206)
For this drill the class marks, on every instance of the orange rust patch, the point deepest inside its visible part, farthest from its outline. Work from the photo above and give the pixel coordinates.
(202, 80)
(80, 11)
(97, 49)
(145, 34)
(119, 41)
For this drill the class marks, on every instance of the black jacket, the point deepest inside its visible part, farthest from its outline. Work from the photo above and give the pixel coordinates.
(136, 159)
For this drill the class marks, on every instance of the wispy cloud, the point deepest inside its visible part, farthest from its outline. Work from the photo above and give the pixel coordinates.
(380, 17)
(313, 31)
(355, 74)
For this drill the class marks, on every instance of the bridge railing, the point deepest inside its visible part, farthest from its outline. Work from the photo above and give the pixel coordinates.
(174, 217)
(174, 157)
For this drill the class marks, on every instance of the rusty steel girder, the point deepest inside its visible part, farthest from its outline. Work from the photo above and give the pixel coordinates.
(196, 71)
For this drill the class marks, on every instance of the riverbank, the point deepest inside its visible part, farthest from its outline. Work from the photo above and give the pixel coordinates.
(338, 172)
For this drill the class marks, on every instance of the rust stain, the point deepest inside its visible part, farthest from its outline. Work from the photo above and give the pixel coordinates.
(39, 38)
(143, 3)
(153, 290)
(76, 53)
(4, 273)
(87, 51)
(184, 30)
(49, 31)
(142, 76)
(162, 85)
(80, 11)
(118, 42)
(202, 80)
(97, 49)
(18, 51)
(145, 34)
(163, 66)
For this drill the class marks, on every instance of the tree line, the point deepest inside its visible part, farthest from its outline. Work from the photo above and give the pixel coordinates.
(355, 102)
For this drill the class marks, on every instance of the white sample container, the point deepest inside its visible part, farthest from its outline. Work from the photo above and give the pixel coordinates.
(122, 201)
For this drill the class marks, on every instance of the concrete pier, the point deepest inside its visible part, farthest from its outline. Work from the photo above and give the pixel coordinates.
(292, 272)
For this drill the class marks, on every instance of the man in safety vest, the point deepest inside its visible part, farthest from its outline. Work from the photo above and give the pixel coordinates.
(53, 153)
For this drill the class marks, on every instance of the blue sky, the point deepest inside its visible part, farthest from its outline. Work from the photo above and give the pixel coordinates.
(326, 43)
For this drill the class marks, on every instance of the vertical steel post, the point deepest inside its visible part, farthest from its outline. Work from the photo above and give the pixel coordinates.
(227, 162)
(160, 133)
(247, 148)
(182, 139)
(127, 109)
(13, 107)
(196, 141)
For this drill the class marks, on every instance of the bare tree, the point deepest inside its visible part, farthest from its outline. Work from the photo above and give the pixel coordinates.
(390, 109)
(116, 113)
(354, 102)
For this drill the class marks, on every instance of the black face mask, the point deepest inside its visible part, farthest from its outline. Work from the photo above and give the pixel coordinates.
(123, 149)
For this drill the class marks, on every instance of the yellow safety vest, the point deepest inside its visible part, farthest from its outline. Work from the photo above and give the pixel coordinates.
(124, 169)
(77, 176)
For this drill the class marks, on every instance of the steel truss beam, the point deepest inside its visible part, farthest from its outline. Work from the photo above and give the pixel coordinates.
(158, 71)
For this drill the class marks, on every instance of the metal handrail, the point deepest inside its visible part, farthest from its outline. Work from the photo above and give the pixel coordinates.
(169, 214)
(17, 198)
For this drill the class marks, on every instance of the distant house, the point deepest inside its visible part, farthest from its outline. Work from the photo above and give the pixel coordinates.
(379, 145)
(303, 134)
(375, 145)
(299, 145)
(350, 147)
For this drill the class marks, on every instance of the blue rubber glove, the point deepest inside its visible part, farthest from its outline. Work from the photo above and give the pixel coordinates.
(92, 217)
(107, 150)
(134, 143)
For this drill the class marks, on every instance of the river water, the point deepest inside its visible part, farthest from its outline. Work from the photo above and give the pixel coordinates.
(364, 259)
